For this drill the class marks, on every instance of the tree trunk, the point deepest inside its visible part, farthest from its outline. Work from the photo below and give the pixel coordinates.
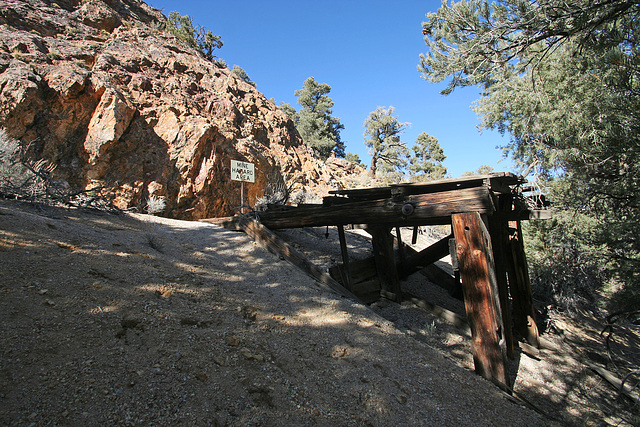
(372, 169)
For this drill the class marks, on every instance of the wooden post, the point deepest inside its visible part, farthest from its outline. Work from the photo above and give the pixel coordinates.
(500, 244)
(345, 256)
(481, 297)
(382, 242)
(524, 314)
(414, 235)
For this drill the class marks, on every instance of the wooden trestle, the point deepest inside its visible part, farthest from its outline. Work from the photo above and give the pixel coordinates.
(486, 248)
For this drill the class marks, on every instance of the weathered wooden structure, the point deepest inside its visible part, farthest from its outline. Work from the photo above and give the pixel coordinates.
(486, 248)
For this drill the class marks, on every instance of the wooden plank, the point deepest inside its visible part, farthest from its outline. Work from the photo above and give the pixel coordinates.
(359, 270)
(230, 222)
(427, 256)
(345, 256)
(401, 252)
(500, 244)
(382, 242)
(499, 181)
(524, 313)
(449, 283)
(625, 388)
(442, 313)
(425, 209)
(477, 271)
(266, 238)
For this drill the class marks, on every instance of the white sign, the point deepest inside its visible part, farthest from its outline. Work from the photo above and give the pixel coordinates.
(242, 171)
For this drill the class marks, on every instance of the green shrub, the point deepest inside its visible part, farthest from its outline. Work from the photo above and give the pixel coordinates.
(182, 27)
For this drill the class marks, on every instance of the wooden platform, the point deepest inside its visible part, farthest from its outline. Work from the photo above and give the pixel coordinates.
(486, 248)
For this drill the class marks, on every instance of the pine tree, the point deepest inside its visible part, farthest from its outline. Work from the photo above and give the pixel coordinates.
(426, 162)
(240, 72)
(315, 123)
(198, 37)
(382, 136)
(563, 79)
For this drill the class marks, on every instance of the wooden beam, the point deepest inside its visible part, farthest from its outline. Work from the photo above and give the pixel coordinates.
(477, 271)
(359, 270)
(401, 252)
(449, 283)
(427, 256)
(229, 222)
(442, 313)
(500, 244)
(499, 182)
(382, 242)
(624, 388)
(345, 256)
(418, 209)
(276, 245)
(524, 313)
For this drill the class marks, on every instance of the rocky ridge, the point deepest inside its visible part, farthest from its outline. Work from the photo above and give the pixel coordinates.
(100, 90)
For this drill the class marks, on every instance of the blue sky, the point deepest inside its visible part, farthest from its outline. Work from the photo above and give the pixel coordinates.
(367, 51)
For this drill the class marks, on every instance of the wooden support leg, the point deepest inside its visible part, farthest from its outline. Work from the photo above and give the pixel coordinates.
(500, 244)
(382, 242)
(414, 236)
(482, 305)
(403, 255)
(524, 314)
(345, 256)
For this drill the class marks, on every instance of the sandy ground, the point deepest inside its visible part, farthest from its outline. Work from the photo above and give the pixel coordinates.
(138, 320)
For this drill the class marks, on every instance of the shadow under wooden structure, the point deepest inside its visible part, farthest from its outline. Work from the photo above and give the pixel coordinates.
(485, 245)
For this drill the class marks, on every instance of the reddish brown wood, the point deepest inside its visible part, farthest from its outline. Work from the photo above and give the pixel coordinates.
(480, 287)
(500, 244)
(426, 208)
(524, 314)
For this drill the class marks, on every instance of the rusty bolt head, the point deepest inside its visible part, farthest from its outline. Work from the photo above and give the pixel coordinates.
(408, 209)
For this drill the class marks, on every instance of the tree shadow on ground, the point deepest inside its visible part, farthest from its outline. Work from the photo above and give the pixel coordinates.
(557, 383)
(127, 319)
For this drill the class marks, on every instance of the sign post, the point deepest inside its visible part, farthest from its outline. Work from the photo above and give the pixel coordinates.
(242, 171)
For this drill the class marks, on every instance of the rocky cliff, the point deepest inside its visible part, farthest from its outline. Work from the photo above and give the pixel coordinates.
(98, 88)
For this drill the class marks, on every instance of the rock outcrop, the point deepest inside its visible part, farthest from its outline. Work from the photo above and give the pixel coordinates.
(98, 88)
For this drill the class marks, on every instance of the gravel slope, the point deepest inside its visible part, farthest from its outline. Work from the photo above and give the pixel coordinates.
(137, 320)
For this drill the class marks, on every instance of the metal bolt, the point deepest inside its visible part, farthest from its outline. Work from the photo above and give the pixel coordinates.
(407, 209)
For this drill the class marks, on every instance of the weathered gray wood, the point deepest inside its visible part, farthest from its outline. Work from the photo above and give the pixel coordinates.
(524, 314)
(426, 208)
(499, 182)
(401, 252)
(625, 388)
(499, 242)
(382, 242)
(427, 256)
(276, 245)
(442, 313)
(345, 256)
(229, 222)
(359, 270)
(479, 283)
(449, 283)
